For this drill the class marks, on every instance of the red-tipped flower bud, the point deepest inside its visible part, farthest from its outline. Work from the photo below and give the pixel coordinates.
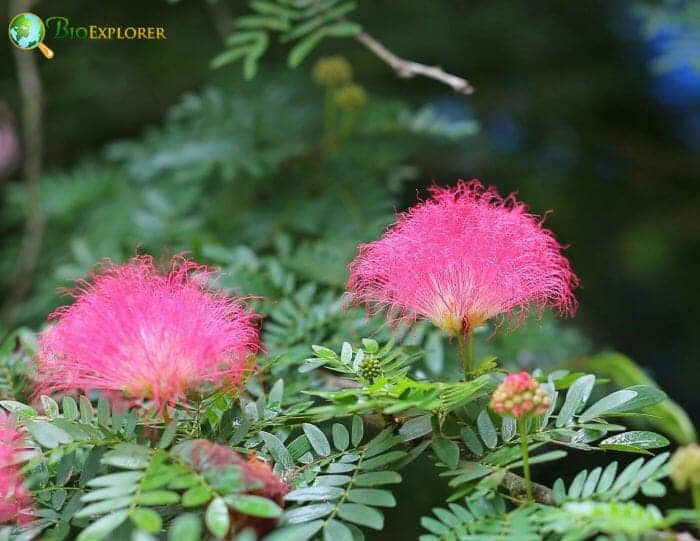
(519, 396)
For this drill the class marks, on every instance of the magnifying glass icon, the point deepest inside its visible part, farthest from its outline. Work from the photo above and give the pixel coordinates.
(27, 31)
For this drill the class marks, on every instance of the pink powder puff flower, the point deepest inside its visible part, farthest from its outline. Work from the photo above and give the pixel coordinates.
(462, 257)
(135, 332)
(520, 395)
(15, 501)
(256, 474)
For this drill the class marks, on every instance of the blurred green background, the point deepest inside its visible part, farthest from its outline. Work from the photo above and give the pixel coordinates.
(589, 108)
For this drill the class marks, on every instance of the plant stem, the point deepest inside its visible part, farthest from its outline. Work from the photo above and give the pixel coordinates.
(31, 92)
(465, 344)
(347, 120)
(329, 118)
(522, 428)
(696, 501)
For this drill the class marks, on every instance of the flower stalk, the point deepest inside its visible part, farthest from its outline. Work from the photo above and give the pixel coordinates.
(465, 346)
(521, 396)
(522, 428)
(696, 503)
(329, 116)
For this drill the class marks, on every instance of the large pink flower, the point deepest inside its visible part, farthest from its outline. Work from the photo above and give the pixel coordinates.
(15, 501)
(146, 335)
(461, 258)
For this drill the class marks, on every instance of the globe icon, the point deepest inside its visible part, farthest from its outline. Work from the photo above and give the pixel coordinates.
(27, 31)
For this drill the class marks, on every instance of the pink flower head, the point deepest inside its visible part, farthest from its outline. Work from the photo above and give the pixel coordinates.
(461, 258)
(147, 335)
(256, 473)
(15, 501)
(257, 476)
(519, 395)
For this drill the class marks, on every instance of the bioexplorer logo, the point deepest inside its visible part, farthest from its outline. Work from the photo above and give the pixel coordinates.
(27, 31)
(60, 28)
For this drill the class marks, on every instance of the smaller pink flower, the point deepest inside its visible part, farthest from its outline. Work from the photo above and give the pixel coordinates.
(15, 501)
(257, 474)
(520, 395)
(207, 455)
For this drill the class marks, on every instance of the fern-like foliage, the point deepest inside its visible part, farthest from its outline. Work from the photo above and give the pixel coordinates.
(483, 519)
(605, 484)
(490, 520)
(97, 473)
(305, 23)
(492, 448)
(100, 471)
(336, 487)
(626, 520)
(596, 502)
(382, 384)
(259, 146)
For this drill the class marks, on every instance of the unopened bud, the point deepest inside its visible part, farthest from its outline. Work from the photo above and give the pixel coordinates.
(370, 369)
(332, 71)
(520, 395)
(350, 97)
(685, 467)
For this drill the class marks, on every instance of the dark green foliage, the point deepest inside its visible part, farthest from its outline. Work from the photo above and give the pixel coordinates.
(279, 191)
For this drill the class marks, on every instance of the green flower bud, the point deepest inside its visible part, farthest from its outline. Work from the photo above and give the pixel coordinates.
(350, 98)
(685, 467)
(370, 369)
(332, 71)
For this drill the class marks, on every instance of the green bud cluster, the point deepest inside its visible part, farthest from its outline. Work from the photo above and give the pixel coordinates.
(350, 97)
(332, 71)
(685, 467)
(370, 368)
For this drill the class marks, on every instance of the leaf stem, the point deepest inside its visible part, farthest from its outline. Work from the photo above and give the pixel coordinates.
(522, 428)
(347, 490)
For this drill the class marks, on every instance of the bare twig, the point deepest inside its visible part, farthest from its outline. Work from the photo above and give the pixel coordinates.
(32, 106)
(408, 68)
